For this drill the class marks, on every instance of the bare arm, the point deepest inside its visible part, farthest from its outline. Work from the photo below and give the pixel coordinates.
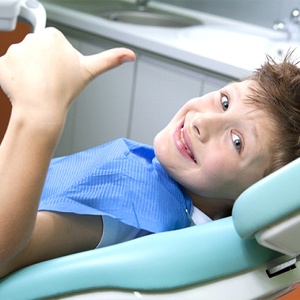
(41, 76)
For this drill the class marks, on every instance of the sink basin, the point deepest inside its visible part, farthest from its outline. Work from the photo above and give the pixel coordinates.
(146, 18)
(128, 12)
(236, 46)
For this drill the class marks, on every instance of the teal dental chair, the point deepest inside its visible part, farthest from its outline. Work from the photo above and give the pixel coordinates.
(251, 255)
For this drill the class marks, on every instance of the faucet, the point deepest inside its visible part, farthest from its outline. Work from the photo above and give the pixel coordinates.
(295, 16)
(141, 4)
(290, 25)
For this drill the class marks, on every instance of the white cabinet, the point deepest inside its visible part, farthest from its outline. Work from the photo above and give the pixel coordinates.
(161, 88)
(212, 84)
(101, 112)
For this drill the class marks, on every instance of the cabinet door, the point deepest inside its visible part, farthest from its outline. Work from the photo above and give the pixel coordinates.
(161, 89)
(101, 112)
(212, 84)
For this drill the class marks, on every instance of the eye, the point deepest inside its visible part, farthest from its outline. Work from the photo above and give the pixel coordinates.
(237, 142)
(224, 102)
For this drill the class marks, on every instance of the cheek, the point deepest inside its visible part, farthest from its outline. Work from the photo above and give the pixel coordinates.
(160, 145)
(215, 164)
(164, 151)
(225, 177)
(215, 176)
(214, 170)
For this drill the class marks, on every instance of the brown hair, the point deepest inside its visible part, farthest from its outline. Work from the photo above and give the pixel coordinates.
(278, 92)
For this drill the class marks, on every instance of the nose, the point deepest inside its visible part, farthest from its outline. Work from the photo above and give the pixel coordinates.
(208, 124)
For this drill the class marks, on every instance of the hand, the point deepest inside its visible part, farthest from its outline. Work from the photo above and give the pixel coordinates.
(44, 73)
(41, 76)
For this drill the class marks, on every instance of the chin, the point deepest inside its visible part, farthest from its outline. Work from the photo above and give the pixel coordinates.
(159, 145)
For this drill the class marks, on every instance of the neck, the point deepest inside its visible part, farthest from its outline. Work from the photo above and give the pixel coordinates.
(214, 208)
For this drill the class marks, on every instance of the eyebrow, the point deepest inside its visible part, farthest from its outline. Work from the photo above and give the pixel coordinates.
(253, 134)
(251, 127)
(237, 91)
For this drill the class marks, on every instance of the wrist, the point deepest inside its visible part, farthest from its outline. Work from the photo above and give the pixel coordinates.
(40, 130)
(39, 120)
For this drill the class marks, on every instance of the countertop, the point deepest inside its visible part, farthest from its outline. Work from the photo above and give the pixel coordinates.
(231, 55)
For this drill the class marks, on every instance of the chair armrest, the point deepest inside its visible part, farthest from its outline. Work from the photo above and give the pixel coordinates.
(157, 262)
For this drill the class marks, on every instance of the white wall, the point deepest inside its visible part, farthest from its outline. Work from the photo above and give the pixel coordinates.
(260, 12)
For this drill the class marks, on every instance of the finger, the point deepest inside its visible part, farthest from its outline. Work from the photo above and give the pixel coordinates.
(104, 61)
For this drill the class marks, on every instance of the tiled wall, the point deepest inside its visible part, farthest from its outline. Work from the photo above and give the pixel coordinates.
(260, 12)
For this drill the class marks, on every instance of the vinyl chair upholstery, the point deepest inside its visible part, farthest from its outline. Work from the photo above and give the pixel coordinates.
(179, 260)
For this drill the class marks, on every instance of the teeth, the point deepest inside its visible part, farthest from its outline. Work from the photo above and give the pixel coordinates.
(185, 145)
(181, 137)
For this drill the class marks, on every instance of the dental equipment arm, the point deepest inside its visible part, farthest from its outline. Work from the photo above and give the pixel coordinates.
(29, 10)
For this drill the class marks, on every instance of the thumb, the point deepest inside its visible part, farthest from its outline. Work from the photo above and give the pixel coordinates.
(97, 64)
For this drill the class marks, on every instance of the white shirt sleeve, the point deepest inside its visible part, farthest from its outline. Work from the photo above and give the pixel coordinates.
(199, 217)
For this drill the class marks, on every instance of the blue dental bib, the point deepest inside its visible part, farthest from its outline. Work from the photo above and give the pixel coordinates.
(122, 179)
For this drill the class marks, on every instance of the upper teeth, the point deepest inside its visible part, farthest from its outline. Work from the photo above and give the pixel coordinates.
(185, 145)
(182, 139)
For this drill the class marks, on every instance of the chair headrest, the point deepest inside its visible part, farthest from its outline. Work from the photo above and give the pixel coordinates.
(273, 198)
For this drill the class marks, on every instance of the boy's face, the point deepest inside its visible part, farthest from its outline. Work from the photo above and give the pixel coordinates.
(216, 146)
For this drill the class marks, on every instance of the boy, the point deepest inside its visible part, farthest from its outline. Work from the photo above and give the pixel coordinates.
(213, 149)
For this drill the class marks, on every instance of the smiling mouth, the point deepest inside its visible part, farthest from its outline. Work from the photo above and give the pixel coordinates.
(187, 149)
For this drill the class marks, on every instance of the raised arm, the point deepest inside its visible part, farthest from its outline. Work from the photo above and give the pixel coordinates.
(41, 76)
